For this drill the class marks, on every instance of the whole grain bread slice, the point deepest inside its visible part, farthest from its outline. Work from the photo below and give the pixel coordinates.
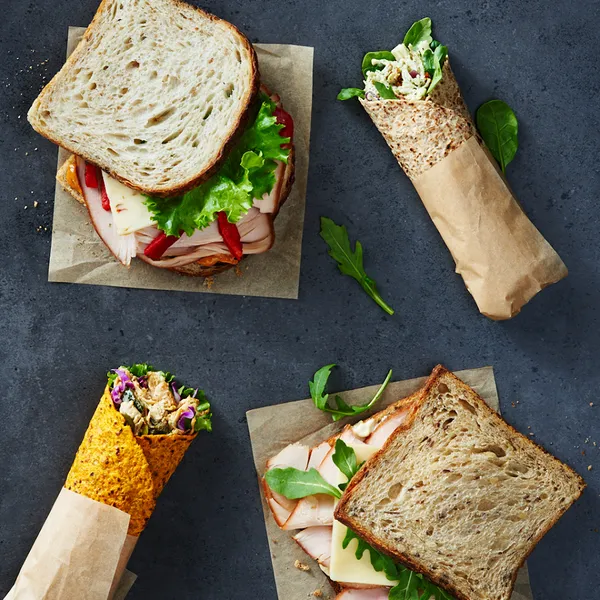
(459, 495)
(154, 94)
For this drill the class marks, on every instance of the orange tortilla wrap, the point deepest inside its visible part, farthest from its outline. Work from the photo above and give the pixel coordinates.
(118, 468)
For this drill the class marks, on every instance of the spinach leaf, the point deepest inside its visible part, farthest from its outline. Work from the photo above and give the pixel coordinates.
(367, 63)
(347, 93)
(384, 91)
(419, 32)
(294, 484)
(345, 460)
(350, 262)
(499, 129)
(341, 409)
(429, 62)
(439, 56)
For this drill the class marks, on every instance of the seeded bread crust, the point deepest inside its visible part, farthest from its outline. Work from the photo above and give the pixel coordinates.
(66, 133)
(193, 269)
(392, 532)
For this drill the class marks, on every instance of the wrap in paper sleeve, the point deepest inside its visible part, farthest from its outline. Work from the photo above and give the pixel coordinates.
(501, 256)
(139, 433)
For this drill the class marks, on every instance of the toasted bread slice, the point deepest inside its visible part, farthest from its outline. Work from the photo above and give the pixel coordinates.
(154, 94)
(459, 495)
(206, 267)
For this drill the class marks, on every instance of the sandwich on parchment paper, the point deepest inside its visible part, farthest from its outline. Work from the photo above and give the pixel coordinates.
(435, 497)
(181, 156)
(138, 435)
(411, 95)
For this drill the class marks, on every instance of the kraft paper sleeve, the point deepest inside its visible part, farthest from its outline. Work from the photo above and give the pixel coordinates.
(80, 552)
(503, 259)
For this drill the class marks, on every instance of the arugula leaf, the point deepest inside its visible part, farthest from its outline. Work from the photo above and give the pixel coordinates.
(347, 93)
(341, 409)
(384, 91)
(317, 386)
(407, 588)
(248, 173)
(367, 63)
(294, 484)
(350, 262)
(420, 31)
(345, 460)
(499, 129)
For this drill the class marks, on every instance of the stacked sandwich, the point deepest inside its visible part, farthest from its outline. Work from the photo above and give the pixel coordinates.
(182, 158)
(434, 497)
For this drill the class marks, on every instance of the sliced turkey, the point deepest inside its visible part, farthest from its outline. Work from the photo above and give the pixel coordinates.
(383, 431)
(296, 456)
(123, 247)
(380, 593)
(317, 455)
(312, 511)
(316, 542)
(269, 203)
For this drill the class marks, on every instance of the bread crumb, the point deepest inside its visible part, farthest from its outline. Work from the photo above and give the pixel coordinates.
(589, 467)
(317, 594)
(238, 271)
(35, 204)
(209, 282)
(591, 404)
(301, 566)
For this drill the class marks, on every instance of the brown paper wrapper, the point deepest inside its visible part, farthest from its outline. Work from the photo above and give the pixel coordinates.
(501, 256)
(274, 427)
(81, 552)
(79, 256)
(120, 469)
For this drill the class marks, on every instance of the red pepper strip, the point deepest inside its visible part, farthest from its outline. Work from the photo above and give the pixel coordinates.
(159, 245)
(91, 176)
(105, 198)
(284, 118)
(231, 236)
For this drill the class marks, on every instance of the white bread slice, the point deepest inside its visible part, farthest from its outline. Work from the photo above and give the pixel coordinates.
(154, 94)
(458, 494)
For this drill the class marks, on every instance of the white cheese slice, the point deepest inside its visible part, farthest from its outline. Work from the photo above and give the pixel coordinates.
(344, 566)
(127, 206)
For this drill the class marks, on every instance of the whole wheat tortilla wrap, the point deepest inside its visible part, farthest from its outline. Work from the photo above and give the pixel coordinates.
(139, 433)
(502, 257)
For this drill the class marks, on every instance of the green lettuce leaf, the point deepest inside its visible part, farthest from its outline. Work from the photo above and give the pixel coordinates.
(248, 173)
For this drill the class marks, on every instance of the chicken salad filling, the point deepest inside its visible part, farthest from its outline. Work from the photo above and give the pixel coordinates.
(153, 403)
(411, 70)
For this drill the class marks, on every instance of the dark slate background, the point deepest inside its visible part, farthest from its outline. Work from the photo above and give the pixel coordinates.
(207, 539)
